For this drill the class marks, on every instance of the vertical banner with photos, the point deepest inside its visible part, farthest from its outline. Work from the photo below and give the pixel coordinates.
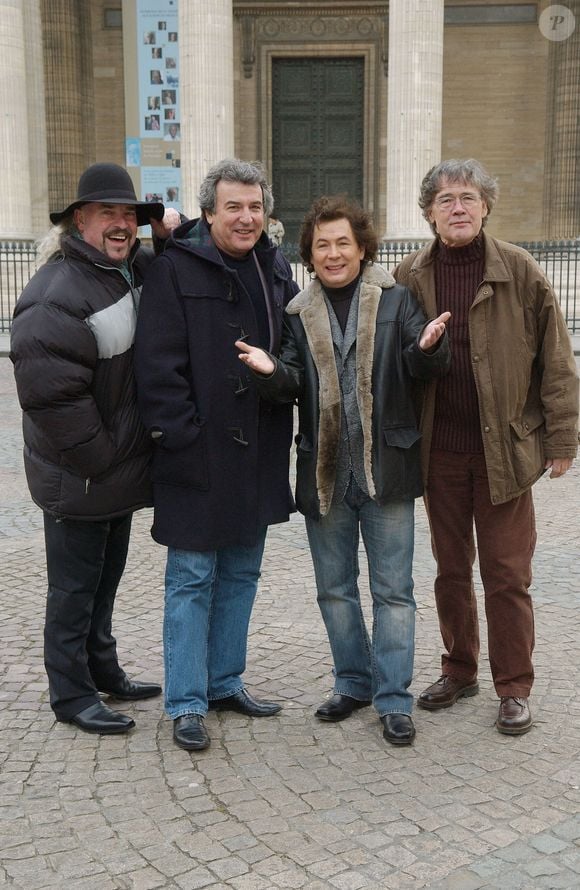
(152, 101)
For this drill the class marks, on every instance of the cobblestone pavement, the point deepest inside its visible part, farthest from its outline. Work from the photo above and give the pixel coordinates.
(285, 802)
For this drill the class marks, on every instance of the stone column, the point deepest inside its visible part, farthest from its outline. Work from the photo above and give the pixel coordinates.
(562, 165)
(414, 110)
(36, 113)
(206, 91)
(68, 71)
(19, 100)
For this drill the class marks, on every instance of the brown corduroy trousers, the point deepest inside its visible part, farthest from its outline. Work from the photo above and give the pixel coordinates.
(457, 498)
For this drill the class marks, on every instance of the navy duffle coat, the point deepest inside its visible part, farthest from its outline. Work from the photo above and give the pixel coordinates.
(221, 456)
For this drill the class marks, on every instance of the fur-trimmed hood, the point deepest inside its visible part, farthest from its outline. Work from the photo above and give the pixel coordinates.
(310, 305)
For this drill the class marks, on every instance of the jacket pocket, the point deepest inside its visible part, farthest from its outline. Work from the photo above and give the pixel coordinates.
(186, 467)
(305, 458)
(306, 488)
(401, 436)
(397, 472)
(527, 448)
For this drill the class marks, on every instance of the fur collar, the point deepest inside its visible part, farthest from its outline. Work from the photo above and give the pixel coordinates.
(372, 274)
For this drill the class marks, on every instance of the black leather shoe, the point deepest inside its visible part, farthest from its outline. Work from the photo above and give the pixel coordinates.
(131, 690)
(190, 733)
(243, 703)
(99, 718)
(339, 707)
(398, 729)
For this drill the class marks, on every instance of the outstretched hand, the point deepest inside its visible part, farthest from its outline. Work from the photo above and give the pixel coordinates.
(433, 332)
(256, 359)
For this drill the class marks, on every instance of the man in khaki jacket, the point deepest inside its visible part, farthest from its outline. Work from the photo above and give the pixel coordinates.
(506, 413)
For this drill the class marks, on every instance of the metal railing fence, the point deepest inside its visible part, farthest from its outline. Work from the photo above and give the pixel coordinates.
(559, 259)
(17, 265)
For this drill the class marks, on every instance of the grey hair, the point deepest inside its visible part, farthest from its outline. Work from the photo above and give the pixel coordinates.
(469, 171)
(50, 245)
(234, 170)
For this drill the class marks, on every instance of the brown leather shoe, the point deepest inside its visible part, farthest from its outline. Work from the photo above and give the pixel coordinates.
(514, 716)
(445, 692)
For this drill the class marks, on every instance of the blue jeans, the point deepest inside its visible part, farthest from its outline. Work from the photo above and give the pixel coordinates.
(381, 669)
(208, 603)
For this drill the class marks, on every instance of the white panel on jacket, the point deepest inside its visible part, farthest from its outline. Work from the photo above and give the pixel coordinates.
(114, 327)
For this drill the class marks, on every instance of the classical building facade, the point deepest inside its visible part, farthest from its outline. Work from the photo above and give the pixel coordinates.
(361, 97)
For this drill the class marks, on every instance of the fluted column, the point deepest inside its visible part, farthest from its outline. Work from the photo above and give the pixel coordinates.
(562, 166)
(414, 110)
(206, 91)
(68, 70)
(16, 217)
(36, 114)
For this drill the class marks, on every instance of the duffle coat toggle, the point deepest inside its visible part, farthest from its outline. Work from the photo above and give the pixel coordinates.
(238, 435)
(240, 328)
(240, 386)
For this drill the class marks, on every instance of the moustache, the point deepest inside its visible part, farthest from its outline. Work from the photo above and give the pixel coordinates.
(117, 231)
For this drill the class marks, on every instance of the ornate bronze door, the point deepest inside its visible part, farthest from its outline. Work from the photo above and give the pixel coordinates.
(317, 133)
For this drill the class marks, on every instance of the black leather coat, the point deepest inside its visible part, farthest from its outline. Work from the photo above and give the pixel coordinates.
(389, 364)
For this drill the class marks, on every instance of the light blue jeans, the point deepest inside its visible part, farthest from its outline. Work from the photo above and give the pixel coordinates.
(208, 604)
(381, 668)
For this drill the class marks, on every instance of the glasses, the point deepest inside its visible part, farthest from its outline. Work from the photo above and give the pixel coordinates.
(468, 201)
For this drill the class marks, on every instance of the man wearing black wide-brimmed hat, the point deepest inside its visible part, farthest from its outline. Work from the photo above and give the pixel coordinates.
(86, 454)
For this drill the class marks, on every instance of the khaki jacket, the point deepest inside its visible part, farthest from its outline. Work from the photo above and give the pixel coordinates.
(523, 364)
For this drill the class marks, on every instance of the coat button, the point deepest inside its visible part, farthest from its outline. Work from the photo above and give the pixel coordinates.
(486, 428)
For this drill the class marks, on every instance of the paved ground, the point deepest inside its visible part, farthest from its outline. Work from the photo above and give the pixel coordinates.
(285, 802)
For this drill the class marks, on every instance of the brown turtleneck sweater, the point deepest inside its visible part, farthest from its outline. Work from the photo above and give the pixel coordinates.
(458, 275)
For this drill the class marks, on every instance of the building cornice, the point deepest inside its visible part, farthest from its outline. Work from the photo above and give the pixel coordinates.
(290, 10)
(314, 22)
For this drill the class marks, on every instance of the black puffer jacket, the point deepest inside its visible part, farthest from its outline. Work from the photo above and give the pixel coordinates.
(86, 454)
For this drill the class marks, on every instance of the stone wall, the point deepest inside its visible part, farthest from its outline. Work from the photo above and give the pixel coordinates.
(494, 109)
(108, 84)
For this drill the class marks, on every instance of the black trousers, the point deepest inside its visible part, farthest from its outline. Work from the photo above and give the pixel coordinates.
(85, 562)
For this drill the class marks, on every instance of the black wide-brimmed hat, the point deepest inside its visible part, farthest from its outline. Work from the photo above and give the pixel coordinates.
(110, 184)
